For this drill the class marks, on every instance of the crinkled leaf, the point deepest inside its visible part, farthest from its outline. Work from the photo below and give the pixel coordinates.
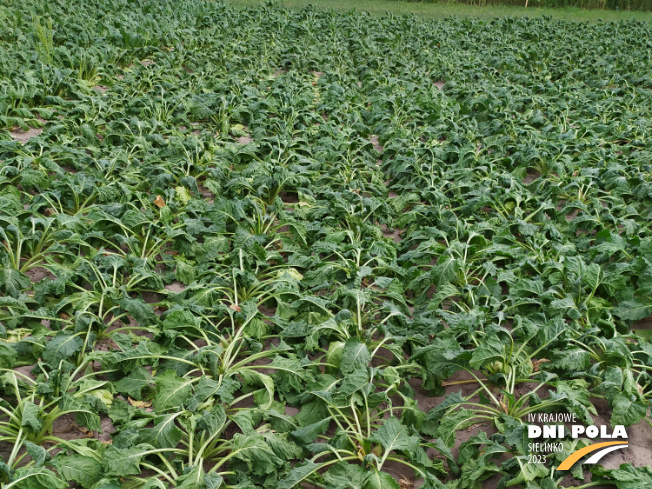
(392, 435)
(123, 462)
(627, 411)
(61, 347)
(35, 478)
(164, 434)
(171, 390)
(354, 356)
(379, 480)
(72, 467)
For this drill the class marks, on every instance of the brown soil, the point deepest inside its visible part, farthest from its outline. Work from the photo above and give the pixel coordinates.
(24, 136)
(150, 298)
(291, 411)
(530, 177)
(401, 472)
(175, 287)
(106, 344)
(267, 311)
(377, 146)
(394, 235)
(107, 430)
(37, 274)
(65, 428)
(207, 194)
(26, 371)
(643, 324)
(639, 453)
(288, 198)
(572, 215)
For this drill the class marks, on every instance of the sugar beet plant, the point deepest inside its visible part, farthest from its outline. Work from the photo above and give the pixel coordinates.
(273, 248)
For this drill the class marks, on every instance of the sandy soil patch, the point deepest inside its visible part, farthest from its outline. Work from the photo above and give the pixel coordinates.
(24, 136)
(394, 234)
(377, 146)
(530, 177)
(36, 274)
(175, 287)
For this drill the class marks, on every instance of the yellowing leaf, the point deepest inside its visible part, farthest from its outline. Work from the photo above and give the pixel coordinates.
(159, 202)
(15, 335)
(237, 129)
(139, 404)
(103, 395)
(182, 194)
(292, 272)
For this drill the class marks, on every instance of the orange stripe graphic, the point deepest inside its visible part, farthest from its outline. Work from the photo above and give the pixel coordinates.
(574, 457)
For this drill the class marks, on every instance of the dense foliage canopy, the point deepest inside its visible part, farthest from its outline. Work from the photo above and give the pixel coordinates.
(259, 248)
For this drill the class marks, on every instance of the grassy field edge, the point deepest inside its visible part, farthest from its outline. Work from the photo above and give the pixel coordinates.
(444, 9)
